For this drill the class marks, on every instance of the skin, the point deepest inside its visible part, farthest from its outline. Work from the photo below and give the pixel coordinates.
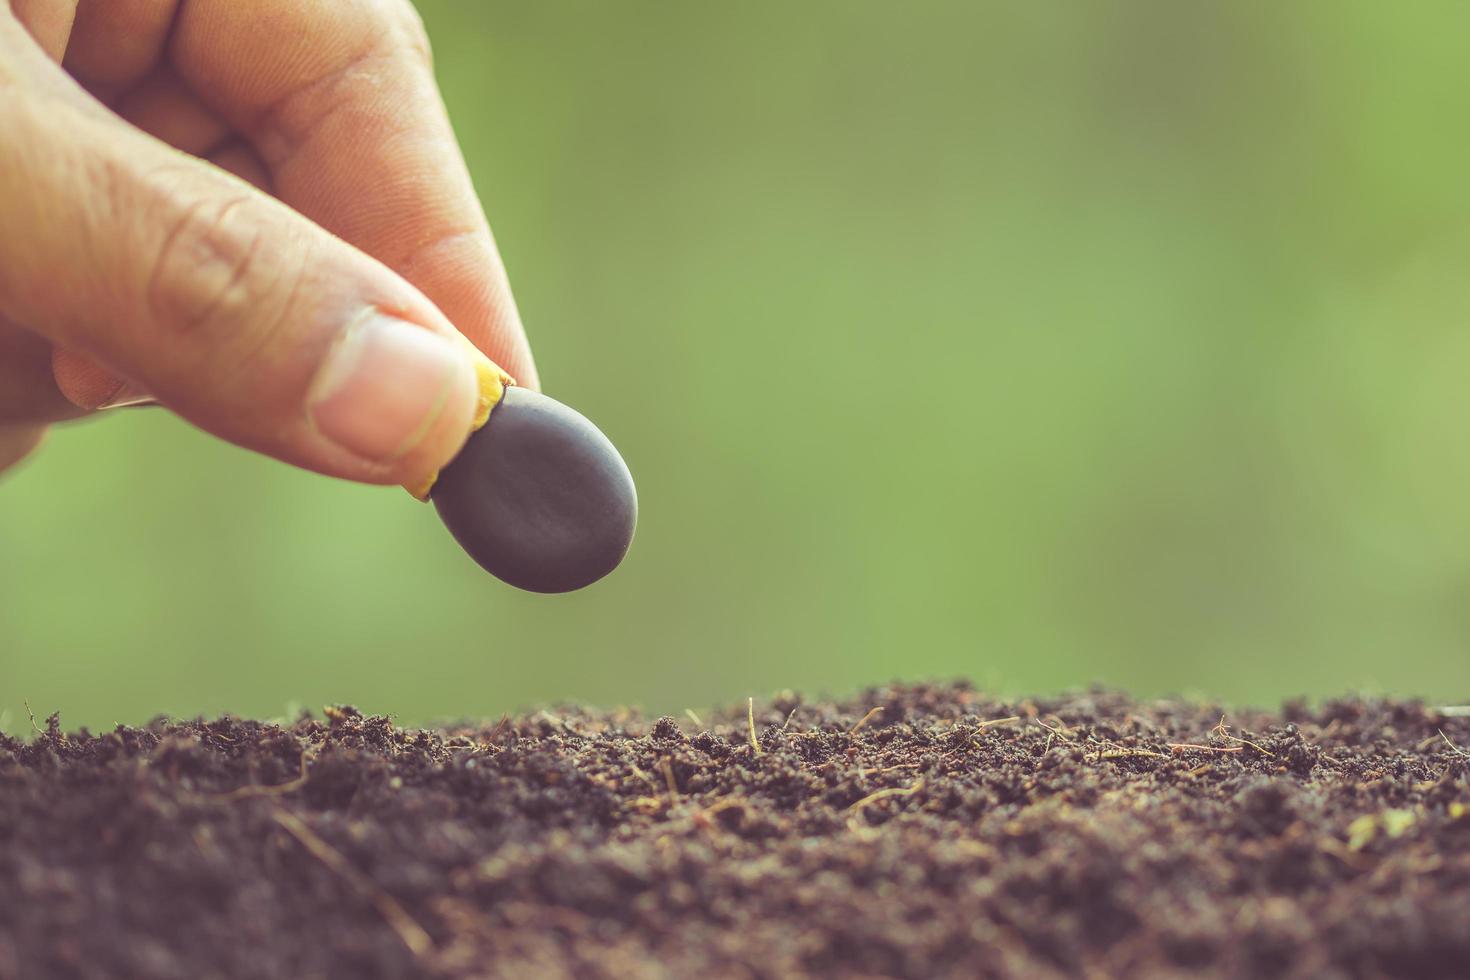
(203, 202)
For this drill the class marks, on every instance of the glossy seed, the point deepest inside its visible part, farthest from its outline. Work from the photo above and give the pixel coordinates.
(539, 496)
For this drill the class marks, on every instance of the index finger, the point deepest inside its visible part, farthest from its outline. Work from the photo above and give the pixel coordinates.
(339, 100)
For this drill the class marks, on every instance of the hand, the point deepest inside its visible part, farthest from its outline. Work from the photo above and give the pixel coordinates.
(254, 213)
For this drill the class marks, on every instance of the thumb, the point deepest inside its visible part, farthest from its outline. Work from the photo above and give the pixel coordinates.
(231, 309)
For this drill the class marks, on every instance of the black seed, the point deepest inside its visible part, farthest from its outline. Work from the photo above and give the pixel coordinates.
(539, 496)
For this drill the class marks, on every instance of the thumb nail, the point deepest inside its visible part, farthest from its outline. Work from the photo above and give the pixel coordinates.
(384, 384)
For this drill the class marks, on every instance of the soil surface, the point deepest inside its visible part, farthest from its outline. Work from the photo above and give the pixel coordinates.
(910, 832)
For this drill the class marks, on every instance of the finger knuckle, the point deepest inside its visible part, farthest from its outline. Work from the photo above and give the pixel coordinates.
(415, 34)
(208, 276)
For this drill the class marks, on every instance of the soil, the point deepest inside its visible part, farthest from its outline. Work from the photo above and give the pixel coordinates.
(926, 831)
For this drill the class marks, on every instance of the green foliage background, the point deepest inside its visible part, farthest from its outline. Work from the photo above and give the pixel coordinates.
(1040, 343)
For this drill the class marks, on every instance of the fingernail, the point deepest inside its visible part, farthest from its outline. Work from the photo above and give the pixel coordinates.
(384, 384)
(127, 395)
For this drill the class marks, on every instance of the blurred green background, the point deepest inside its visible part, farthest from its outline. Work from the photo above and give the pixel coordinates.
(1037, 343)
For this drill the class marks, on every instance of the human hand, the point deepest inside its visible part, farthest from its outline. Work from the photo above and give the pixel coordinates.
(254, 213)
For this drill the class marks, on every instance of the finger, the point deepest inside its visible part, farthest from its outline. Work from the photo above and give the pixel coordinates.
(232, 309)
(48, 21)
(83, 381)
(239, 159)
(340, 100)
(163, 106)
(89, 385)
(116, 43)
(18, 442)
(27, 392)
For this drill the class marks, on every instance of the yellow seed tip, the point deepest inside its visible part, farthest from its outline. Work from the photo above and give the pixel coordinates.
(493, 380)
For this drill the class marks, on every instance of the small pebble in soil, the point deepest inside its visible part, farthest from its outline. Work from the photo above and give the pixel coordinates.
(539, 496)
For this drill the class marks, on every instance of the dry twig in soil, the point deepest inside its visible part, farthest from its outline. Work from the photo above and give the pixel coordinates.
(279, 789)
(750, 719)
(413, 935)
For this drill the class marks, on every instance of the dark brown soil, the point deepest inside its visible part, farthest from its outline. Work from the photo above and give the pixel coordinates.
(947, 834)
